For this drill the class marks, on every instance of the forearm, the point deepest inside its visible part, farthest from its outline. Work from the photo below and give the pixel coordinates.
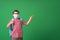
(28, 22)
(8, 25)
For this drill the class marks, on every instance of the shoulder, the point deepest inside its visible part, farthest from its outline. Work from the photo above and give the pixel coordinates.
(12, 19)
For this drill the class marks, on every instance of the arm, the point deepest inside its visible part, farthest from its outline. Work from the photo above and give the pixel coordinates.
(28, 22)
(11, 22)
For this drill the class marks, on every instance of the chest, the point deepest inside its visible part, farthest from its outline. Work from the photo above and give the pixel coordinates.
(17, 21)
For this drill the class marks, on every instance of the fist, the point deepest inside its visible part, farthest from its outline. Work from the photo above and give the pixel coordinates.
(31, 17)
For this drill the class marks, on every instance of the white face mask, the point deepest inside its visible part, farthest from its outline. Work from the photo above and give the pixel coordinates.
(15, 15)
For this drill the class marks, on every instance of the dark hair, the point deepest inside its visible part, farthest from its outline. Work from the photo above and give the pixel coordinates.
(15, 11)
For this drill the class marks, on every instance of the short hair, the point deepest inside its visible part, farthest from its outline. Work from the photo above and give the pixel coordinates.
(15, 11)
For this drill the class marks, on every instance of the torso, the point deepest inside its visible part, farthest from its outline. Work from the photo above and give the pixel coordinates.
(17, 30)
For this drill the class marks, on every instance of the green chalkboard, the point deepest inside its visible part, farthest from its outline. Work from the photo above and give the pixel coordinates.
(45, 24)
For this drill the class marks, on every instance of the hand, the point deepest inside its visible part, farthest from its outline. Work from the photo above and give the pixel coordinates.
(31, 17)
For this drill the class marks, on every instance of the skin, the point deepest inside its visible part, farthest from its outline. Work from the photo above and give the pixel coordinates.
(25, 23)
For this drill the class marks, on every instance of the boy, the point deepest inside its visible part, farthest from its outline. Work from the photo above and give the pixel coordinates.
(17, 26)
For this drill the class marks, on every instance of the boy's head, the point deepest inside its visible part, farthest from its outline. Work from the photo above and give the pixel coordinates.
(16, 13)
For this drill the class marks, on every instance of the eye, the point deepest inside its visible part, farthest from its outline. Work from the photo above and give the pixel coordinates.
(15, 12)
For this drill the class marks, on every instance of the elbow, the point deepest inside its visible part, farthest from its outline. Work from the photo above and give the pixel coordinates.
(27, 24)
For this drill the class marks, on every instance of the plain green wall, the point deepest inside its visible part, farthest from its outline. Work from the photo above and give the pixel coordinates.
(45, 24)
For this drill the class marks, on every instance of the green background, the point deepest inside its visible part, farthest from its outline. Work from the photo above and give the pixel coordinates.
(46, 18)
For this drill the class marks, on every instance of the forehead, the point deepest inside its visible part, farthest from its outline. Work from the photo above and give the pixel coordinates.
(15, 13)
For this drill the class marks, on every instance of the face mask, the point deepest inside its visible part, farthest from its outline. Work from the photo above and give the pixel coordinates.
(15, 15)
